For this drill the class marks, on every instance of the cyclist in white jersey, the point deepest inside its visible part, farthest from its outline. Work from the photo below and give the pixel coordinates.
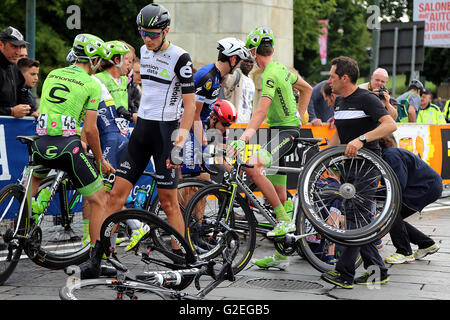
(167, 83)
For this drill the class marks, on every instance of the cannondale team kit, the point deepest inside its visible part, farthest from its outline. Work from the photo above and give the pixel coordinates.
(166, 75)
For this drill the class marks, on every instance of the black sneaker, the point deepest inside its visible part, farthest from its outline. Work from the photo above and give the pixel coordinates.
(368, 279)
(334, 277)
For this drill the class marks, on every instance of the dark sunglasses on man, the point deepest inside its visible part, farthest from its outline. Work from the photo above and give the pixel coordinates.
(151, 35)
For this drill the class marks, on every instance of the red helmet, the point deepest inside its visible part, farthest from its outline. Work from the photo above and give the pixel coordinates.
(225, 111)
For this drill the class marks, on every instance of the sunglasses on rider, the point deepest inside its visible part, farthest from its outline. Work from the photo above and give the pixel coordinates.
(151, 35)
(225, 124)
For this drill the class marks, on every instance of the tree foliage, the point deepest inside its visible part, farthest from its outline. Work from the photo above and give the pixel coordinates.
(348, 16)
(108, 19)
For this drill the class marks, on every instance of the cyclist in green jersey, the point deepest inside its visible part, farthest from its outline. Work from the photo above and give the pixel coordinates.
(70, 95)
(113, 76)
(278, 104)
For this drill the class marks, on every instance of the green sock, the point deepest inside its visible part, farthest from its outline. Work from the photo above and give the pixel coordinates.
(85, 229)
(281, 213)
(289, 207)
(278, 256)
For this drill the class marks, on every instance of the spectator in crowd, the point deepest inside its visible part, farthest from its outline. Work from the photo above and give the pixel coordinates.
(429, 113)
(134, 92)
(13, 100)
(30, 71)
(239, 89)
(330, 98)
(318, 109)
(137, 74)
(420, 186)
(23, 52)
(377, 85)
(409, 102)
(446, 111)
(438, 101)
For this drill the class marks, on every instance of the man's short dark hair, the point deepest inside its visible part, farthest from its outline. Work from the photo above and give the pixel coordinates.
(348, 66)
(326, 89)
(26, 63)
(265, 49)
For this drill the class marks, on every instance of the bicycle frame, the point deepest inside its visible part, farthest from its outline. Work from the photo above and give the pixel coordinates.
(26, 182)
(234, 176)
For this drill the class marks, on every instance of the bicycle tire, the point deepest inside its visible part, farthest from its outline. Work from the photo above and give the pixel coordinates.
(387, 226)
(60, 247)
(263, 227)
(154, 251)
(316, 253)
(109, 289)
(377, 191)
(155, 207)
(11, 197)
(208, 234)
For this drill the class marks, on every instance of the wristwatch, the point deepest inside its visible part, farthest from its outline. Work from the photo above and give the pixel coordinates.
(363, 139)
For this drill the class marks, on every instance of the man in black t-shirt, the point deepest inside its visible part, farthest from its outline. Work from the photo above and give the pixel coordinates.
(360, 119)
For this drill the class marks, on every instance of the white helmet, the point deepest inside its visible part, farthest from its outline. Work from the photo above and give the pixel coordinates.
(233, 47)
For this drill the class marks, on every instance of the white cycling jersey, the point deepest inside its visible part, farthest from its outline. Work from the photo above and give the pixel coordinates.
(166, 75)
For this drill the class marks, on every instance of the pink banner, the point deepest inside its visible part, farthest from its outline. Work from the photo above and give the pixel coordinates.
(323, 41)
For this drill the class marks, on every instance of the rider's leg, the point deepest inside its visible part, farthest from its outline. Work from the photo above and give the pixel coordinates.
(96, 211)
(118, 195)
(265, 186)
(169, 203)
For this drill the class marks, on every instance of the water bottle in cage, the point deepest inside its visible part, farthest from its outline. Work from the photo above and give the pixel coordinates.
(140, 198)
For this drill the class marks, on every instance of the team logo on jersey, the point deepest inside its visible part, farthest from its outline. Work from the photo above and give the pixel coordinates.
(93, 100)
(164, 74)
(186, 71)
(75, 150)
(208, 84)
(53, 124)
(270, 83)
(54, 97)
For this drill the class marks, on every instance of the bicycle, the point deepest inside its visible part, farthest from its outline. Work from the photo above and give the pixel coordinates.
(51, 241)
(153, 270)
(241, 216)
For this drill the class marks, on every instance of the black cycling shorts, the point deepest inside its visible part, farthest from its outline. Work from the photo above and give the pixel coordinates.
(66, 154)
(281, 144)
(149, 139)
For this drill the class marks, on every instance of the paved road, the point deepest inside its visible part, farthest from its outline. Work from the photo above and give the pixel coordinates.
(421, 280)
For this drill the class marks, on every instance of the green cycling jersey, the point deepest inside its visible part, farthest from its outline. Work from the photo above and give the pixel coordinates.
(66, 95)
(118, 93)
(276, 83)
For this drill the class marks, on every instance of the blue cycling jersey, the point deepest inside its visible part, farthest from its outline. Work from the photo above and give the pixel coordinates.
(107, 115)
(207, 86)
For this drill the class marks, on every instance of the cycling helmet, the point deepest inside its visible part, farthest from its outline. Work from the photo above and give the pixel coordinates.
(225, 111)
(416, 84)
(116, 47)
(87, 47)
(153, 16)
(233, 47)
(71, 57)
(260, 36)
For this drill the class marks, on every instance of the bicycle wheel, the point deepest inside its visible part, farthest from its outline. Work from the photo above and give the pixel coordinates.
(203, 232)
(263, 226)
(154, 251)
(186, 189)
(61, 240)
(367, 191)
(319, 251)
(387, 226)
(110, 289)
(11, 229)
